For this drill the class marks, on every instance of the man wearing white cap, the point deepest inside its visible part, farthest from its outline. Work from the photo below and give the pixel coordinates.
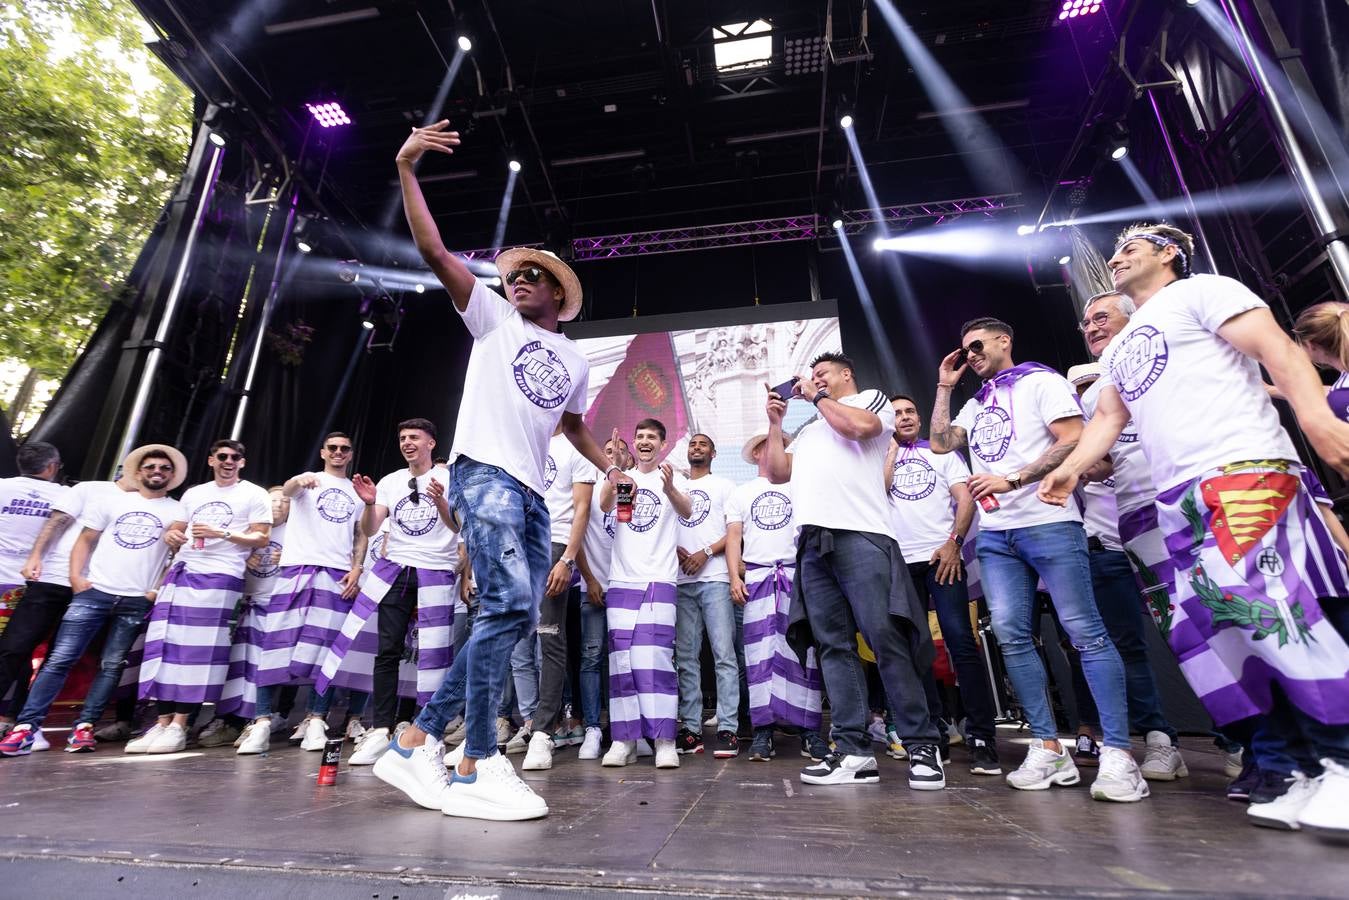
(124, 572)
(523, 378)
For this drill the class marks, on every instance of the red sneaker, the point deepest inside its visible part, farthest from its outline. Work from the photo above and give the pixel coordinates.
(19, 741)
(81, 740)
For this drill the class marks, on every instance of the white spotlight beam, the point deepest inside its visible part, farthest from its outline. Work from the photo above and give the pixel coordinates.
(500, 234)
(889, 367)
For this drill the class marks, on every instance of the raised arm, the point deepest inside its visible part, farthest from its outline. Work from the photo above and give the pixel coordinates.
(943, 437)
(451, 271)
(779, 460)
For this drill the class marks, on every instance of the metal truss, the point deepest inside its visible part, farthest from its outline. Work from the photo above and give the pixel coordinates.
(772, 231)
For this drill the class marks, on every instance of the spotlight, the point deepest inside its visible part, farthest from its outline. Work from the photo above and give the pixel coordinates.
(837, 224)
(514, 165)
(420, 288)
(1024, 230)
(878, 244)
(845, 122)
(465, 44)
(329, 115)
(1074, 8)
(1191, 2)
(1064, 260)
(1117, 141)
(216, 138)
(303, 247)
(1119, 152)
(367, 325)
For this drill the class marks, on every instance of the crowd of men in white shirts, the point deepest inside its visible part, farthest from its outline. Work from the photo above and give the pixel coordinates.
(1167, 485)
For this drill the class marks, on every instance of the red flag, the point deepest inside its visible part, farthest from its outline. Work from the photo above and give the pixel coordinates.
(646, 384)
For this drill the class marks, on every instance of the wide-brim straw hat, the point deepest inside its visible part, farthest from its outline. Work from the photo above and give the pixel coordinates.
(747, 452)
(519, 257)
(132, 464)
(1084, 372)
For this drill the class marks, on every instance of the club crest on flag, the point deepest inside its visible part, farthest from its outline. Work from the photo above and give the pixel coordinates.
(1245, 507)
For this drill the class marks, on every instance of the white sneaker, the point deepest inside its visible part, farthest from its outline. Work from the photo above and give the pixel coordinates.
(257, 737)
(456, 755)
(315, 734)
(540, 755)
(371, 745)
(1233, 763)
(841, 768)
(667, 757)
(504, 731)
(1328, 809)
(142, 743)
(354, 730)
(1285, 812)
(493, 792)
(172, 739)
(1043, 767)
(590, 747)
(40, 741)
(418, 772)
(712, 721)
(456, 732)
(620, 753)
(298, 734)
(520, 743)
(1119, 779)
(1162, 760)
(644, 749)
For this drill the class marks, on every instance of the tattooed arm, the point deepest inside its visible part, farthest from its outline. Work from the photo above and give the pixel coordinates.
(57, 523)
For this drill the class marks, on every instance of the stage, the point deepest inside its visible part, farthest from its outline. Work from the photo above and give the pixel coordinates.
(208, 823)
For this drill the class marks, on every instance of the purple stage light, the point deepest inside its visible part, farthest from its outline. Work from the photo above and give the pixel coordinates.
(329, 115)
(1074, 8)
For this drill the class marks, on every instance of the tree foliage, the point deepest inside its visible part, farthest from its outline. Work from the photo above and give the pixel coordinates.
(96, 133)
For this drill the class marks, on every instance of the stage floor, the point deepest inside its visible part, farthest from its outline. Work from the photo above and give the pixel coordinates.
(209, 823)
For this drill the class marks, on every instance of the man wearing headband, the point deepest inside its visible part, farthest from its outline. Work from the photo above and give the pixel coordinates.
(1255, 564)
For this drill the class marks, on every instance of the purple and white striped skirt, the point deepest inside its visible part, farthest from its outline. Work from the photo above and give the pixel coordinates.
(350, 660)
(1252, 556)
(781, 691)
(240, 694)
(304, 617)
(187, 640)
(643, 687)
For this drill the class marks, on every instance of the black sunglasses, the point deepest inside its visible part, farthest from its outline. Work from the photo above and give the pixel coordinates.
(415, 496)
(229, 457)
(338, 448)
(531, 275)
(157, 467)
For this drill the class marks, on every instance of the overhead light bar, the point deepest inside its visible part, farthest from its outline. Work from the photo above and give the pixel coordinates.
(804, 56)
(342, 18)
(598, 157)
(329, 115)
(1072, 9)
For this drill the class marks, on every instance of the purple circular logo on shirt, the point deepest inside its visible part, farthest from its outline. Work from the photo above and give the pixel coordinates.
(645, 510)
(549, 472)
(541, 375)
(1129, 435)
(914, 479)
(992, 433)
(335, 505)
(1139, 361)
(217, 513)
(265, 562)
(609, 523)
(376, 546)
(136, 530)
(702, 505)
(415, 519)
(771, 510)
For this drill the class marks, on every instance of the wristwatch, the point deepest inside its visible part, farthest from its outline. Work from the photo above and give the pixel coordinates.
(821, 394)
(708, 552)
(1014, 479)
(227, 535)
(569, 563)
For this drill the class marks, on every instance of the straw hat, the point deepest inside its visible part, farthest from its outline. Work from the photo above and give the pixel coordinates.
(1084, 372)
(519, 257)
(747, 452)
(131, 465)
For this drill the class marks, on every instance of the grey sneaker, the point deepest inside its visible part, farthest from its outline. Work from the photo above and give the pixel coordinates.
(218, 733)
(115, 733)
(1043, 767)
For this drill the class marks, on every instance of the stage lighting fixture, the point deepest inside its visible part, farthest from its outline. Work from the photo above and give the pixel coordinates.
(514, 165)
(837, 224)
(803, 56)
(303, 247)
(1064, 260)
(1072, 9)
(216, 138)
(465, 44)
(1191, 2)
(845, 121)
(1117, 141)
(367, 325)
(348, 271)
(420, 288)
(1024, 230)
(878, 244)
(329, 115)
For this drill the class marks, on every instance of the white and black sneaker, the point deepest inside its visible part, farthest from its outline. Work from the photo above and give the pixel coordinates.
(840, 768)
(984, 757)
(925, 771)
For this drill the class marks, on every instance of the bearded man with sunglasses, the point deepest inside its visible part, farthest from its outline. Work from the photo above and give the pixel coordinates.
(187, 641)
(413, 584)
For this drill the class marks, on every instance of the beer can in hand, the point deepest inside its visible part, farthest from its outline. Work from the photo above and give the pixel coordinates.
(625, 491)
(332, 755)
(990, 503)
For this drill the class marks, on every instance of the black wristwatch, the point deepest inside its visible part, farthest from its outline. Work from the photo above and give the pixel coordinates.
(820, 395)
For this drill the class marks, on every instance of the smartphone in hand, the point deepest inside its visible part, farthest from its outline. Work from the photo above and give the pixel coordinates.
(787, 389)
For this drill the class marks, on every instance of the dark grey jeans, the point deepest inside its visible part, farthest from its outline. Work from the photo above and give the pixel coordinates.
(552, 653)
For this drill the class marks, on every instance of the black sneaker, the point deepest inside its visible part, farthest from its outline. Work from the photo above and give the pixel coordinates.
(1087, 752)
(689, 742)
(1244, 784)
(728, 745)
(984, 758)
(761, 750)
(925, 771)
(1270, 786)
(813, 746)
(839, 768)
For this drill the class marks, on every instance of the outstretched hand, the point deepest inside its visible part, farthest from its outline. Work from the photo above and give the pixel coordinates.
(435, 137)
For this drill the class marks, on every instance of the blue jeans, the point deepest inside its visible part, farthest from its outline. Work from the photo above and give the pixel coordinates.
(319, 704)
(594, 636)
(1056, 552)
(952, 604)
(524, 678)
(89, 611)
(506, 530)
(706, 605)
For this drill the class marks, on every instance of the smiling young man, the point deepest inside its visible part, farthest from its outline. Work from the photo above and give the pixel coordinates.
(187, 640)
(1023, 422)
(523, 379)
(1259, 617)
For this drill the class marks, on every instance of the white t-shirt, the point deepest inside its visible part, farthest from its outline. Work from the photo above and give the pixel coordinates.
(264, 563)
(1100, 515)
(78, 498)
(25, 505)
(323, 523)
(1008, 430)
(520, 380)
(1132, 476)
(767, 526)
(374, 550)
(418, 536)
(599, 538)
(1199, 402)
(921, 505)
(644, 548)
(233, 508)
(706, 525)
(563, 468)
(838, 483)
(130, 555)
